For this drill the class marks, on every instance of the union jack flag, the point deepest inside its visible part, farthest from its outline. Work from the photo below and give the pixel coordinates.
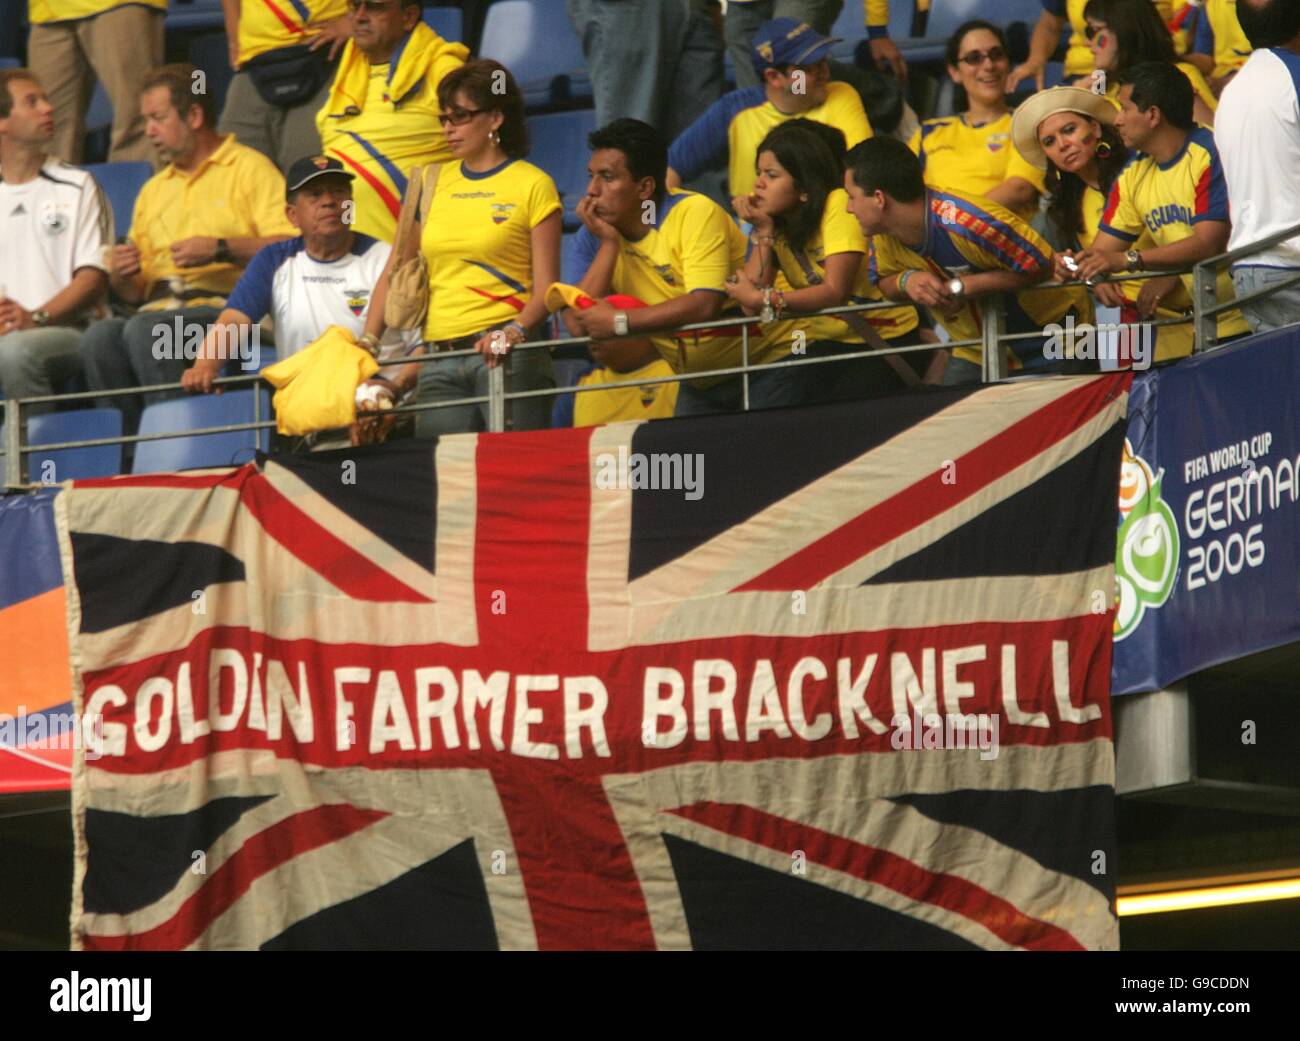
(649, 685)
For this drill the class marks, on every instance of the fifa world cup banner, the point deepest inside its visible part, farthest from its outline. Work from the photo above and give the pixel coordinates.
(828, 678)
(1208, 550)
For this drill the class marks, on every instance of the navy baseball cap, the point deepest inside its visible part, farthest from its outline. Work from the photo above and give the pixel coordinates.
(788, 41)
(313, 166)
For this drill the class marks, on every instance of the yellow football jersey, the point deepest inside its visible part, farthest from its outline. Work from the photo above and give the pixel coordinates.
(267, 25)
(971, 158)
(1167, 199)
(477, 242)
(840, 233)
(692, 245)
(968, 234)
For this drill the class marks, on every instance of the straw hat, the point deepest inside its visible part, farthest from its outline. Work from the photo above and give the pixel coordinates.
(1028, 117)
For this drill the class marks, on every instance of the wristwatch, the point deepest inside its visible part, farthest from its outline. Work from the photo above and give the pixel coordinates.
(223, 254)
(1134, 260)
(620, 323)
(40, 317)
(956, 286)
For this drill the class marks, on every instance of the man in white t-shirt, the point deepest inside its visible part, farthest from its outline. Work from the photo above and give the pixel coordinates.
(306, 284)
(54, 225)
(1257, 131)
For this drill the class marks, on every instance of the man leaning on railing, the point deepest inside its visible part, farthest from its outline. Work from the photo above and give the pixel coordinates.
(944, 249)
(1173, 187)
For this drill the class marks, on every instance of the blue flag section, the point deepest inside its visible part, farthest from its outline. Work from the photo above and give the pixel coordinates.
(1206, 565)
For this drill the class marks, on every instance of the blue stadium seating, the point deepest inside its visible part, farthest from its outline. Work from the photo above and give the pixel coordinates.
(559, 146)
(74, 463)
(535, 40)
(850, 27)
(447, 22)
(8, 63)
(947, 15)
(192, 413)
(121, 183)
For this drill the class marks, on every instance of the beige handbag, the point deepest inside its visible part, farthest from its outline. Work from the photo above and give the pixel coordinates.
(407, 302)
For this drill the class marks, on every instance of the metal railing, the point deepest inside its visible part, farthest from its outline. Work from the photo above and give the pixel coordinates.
(991, 343)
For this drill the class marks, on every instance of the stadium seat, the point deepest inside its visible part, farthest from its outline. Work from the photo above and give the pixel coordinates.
(8, 63)
(193, 413)
(535, 40)
(447, 22)
(121, 182)
(74, 463)
(559, 146)
(851, 27)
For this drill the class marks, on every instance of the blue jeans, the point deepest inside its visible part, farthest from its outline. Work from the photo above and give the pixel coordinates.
(1269, 312)
(467, 377)
(659, 61)
(774, 388)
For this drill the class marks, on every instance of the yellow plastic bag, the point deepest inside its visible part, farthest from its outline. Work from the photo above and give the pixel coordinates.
(317, 386)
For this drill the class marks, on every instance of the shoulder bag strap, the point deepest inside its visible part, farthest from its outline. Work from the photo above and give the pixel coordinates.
(860, 326)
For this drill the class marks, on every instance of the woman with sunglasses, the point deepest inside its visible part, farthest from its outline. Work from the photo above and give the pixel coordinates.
(810, 254)
(492, 245)
(1124, 33)
(972, 151)
(1070, 132)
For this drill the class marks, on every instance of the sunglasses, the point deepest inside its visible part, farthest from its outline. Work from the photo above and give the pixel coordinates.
(976, 58)
(373, 6)
(458, 117)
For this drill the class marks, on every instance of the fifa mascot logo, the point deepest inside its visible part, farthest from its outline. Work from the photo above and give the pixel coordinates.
(1146, 553)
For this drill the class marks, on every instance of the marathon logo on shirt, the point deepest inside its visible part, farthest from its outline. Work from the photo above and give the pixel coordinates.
(1173, 213)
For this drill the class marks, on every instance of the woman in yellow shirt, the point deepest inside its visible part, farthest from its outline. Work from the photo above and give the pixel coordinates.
(1124, 33)
(972, 151)
(491, 238)
(810, 254)
(1070, 132)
